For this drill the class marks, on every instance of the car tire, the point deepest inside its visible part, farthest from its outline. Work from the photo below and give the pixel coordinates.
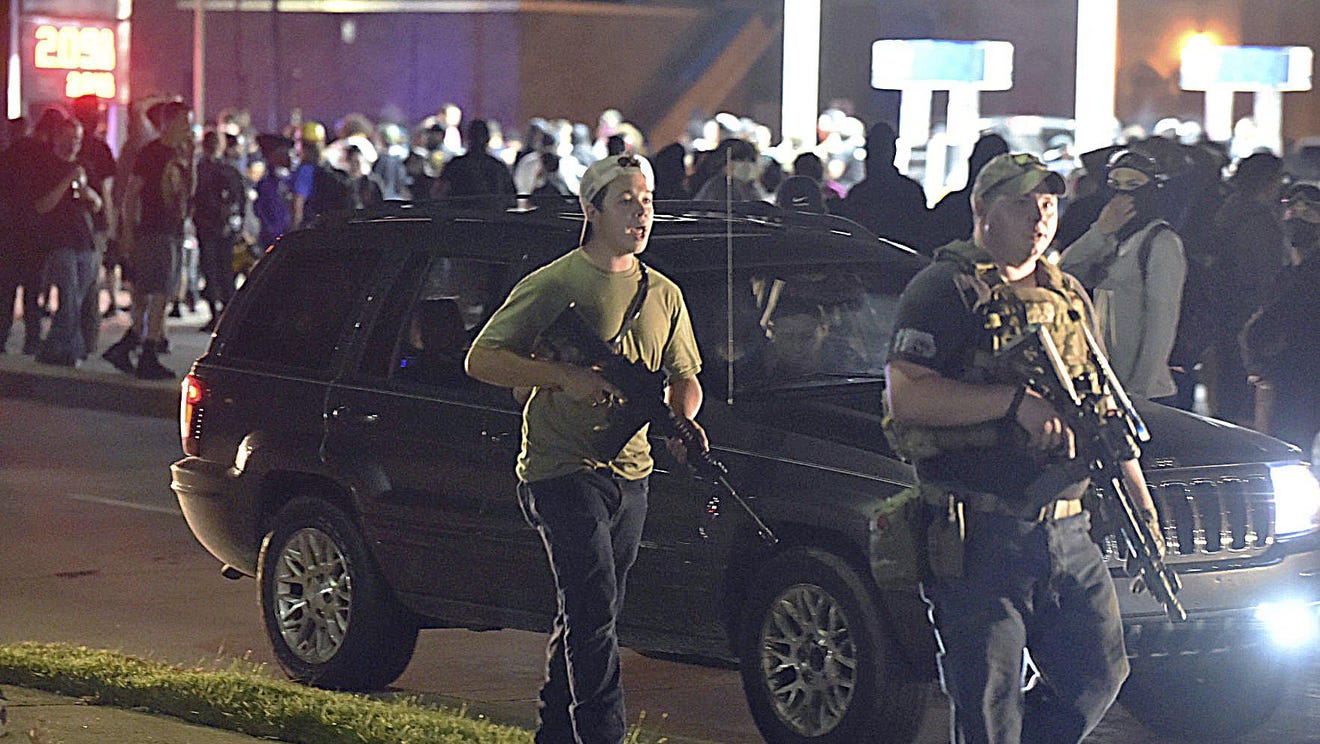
(331, 620)
(1169, 695)
(811, 622)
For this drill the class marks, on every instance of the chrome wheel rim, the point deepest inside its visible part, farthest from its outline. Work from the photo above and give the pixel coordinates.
(313, 595)
(808, 660)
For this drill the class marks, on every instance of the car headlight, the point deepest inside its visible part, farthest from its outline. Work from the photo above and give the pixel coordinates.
(1290, 623)
(1296, 499)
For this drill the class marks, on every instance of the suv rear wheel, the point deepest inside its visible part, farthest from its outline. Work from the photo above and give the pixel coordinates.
(817, 666)
(328, 613)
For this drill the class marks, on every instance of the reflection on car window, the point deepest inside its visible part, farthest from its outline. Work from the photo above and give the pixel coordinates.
(793, 324)
(435, 321)
(303, 304)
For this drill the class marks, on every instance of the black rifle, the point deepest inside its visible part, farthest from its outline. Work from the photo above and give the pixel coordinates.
(569, 339)
(1106, 436)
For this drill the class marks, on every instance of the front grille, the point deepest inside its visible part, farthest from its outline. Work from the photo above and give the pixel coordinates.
(1216, 516)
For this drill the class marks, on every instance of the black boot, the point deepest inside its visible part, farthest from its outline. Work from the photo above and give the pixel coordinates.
(121, 353)
(148, 366)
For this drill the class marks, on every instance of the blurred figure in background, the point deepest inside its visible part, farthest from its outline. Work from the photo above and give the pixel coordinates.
(886, 202)
(1248, 234)
(65, 202)
(273, 206)
(951, 219)
(389, 170)
(800, 194)
(1281, 342)
(99, 163)
(733, 171)
(218, 207)
(21, 253)
(671, 172)
(365, 191)
(810, 165)
(158, 193)
(475, 172)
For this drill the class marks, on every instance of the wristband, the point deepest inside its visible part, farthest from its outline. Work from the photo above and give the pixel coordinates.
(1012, 412)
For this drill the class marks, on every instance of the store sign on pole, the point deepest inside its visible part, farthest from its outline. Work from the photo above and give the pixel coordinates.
(1268, 72)
(917, 68)
(69, 58)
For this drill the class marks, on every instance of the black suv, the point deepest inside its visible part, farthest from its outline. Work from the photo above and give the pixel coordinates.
(337, 452)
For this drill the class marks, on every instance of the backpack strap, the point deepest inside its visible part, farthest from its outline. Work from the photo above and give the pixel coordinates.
(1148, 244)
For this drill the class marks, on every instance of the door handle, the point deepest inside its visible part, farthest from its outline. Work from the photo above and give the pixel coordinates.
(347, 415)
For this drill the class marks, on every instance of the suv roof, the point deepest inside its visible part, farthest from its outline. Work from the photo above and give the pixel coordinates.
(681, 237)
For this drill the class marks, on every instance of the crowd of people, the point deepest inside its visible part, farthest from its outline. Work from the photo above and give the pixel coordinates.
(1178, 258)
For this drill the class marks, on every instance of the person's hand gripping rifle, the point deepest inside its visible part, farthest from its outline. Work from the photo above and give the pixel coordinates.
(642, 400)
(1108, 433)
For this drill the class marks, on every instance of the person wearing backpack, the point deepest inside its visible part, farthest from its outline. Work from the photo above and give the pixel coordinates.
(218, 207)
(317, 186)
(1132, 262)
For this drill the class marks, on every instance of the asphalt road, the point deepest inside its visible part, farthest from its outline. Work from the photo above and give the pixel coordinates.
(93, 551)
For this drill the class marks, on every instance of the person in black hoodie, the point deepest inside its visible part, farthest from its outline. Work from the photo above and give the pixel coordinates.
(1250, 243)
(1281, 342)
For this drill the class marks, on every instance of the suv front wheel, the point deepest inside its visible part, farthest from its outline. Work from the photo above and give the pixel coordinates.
(329, 615)
(817, 666)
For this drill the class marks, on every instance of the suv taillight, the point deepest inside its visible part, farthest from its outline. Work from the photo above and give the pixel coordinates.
(190, 414)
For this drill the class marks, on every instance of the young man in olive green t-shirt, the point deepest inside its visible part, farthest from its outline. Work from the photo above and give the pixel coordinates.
(590, 510)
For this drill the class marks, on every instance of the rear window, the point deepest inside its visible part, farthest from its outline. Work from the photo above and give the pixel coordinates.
(300, 306)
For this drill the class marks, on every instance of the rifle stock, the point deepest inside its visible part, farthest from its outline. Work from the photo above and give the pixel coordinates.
(1105, 440)
(568, 339)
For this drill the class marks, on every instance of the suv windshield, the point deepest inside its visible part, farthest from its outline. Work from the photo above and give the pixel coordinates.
(794, 326)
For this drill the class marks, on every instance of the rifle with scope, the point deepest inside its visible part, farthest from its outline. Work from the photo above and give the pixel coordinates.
(1108, 432)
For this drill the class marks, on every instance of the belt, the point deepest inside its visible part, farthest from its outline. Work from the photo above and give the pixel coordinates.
(1061, 509)
(1053, 510)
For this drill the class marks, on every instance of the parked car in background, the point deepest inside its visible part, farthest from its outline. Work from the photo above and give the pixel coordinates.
(336, 452)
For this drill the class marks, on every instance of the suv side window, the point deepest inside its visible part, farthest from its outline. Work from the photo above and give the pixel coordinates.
(426, 326)
(301, 306)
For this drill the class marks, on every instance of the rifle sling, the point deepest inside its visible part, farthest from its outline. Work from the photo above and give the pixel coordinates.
(634, 310)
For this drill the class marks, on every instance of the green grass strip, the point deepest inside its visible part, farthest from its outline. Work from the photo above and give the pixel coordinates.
(242, 701)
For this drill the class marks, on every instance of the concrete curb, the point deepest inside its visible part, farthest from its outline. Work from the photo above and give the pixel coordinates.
(96, 384)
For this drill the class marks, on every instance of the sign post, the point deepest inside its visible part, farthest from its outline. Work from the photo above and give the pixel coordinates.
(918, 68)
(1268, 72)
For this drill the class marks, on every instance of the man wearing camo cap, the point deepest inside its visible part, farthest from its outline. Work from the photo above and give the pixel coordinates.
(585, 497)
(1011, 561)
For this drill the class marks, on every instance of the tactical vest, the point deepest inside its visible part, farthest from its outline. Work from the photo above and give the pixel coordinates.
(1005, 312)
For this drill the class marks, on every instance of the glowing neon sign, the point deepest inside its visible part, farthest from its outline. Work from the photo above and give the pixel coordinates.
(88, 53)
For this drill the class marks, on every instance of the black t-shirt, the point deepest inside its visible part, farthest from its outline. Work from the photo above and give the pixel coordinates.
(221, 195)
(19, 165)
(99, 162)
(69, 224)
(157, 215)
(476, 173)
(937, 328)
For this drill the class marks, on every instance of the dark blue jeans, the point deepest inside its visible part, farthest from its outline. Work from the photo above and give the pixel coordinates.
(591, 525)
(1041, 587)
(72, 272)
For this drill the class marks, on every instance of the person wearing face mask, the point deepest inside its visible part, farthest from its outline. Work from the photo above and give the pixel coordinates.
(1132, 262)
(736, 173)
(1281, 341)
